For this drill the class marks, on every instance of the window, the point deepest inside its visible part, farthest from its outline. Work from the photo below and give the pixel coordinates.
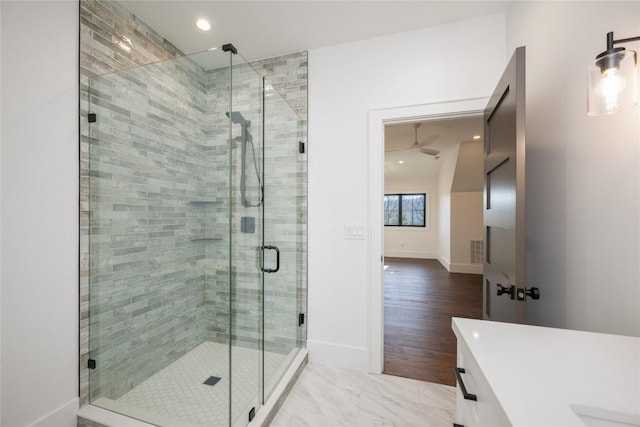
(405, 210)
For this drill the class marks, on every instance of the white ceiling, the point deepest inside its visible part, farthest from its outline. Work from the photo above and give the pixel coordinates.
(443, 135)
(264, 29)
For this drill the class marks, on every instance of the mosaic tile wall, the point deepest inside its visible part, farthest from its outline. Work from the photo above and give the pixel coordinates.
(165, 292)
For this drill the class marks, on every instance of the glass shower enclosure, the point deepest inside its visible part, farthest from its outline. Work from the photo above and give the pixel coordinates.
(197, 282)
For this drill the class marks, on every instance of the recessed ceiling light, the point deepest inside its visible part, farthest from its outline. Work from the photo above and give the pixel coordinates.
(203, 24)
(476, 136)
(401, 161)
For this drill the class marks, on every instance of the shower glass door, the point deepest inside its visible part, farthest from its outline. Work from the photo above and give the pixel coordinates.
(246, 197)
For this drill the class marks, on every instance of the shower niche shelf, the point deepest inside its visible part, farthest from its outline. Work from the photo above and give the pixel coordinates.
(206, 239)
(200, 203)
(205, 201)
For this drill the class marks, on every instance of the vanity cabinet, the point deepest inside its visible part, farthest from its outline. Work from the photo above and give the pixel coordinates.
(524, 375)
(485, 410)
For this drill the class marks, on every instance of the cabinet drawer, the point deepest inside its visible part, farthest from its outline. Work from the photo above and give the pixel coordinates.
(486, 410)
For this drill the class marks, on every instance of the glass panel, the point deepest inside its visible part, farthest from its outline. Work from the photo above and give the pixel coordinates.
(177, 240)
(413, 209)
(392, 209)
(284, 229)
(159, 236)
(246, 241)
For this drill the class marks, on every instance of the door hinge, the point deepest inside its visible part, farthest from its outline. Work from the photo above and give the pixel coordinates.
(301, 147)
(92, 117)
(91, 364)
(300, 319)
(252, 413)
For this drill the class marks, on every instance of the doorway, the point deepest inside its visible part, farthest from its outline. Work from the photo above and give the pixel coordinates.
(378, 119)
(421, 297)
(433, 238)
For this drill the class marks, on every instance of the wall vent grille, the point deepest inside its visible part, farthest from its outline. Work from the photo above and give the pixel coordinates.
(476, 248)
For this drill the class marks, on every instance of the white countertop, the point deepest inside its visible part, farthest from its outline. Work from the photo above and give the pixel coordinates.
(538, 373)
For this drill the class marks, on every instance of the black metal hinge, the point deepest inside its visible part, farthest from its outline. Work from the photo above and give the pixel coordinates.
(229, 48)
(91, 364)
(300, 319)
(252, 413)
(300, 147)
(92, 117)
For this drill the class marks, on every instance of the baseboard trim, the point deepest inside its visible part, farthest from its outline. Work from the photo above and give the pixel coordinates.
(445, 262)
(411, 254)
(340, 356)
(467, 268)
(64, 416)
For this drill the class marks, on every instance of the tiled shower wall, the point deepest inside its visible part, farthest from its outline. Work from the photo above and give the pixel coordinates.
(162, 318)
(147, 287)
(284, 209)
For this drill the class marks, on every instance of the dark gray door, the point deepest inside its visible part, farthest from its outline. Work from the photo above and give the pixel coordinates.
(504, 216)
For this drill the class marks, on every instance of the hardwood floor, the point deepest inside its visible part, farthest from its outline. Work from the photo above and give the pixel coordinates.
(420, 298)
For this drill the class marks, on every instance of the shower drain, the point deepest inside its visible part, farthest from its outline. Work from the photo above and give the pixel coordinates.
(211, 380)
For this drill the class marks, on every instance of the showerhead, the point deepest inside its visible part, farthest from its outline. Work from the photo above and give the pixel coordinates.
(237, 118)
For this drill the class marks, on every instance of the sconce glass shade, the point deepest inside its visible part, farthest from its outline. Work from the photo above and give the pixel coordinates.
(613, 82)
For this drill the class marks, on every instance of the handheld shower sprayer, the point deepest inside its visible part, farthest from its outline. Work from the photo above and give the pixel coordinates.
(245, 139)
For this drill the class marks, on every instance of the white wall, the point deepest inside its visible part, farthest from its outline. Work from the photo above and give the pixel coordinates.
(469, 175)
(466, 207)
(410, 242)
(445, 180)
(466, 225)
(39, 177)
(449, 62)
(583, 173)
(0, 215)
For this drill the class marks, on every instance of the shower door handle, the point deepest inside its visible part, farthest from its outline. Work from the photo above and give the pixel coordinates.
(269, 270)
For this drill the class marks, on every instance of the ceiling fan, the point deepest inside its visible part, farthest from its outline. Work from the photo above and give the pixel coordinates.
(420, 145)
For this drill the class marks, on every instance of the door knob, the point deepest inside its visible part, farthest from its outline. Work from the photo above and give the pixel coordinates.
(509, 290)
(533, 293)
(523, 293)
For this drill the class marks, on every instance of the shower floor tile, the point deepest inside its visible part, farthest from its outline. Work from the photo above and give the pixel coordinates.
(178, 392)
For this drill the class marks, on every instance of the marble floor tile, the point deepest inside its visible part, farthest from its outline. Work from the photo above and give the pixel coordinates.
(326, 397)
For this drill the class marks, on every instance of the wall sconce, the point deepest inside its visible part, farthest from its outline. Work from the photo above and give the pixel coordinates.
(613, 79)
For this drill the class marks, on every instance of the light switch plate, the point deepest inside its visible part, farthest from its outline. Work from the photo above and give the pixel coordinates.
(354, 231)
